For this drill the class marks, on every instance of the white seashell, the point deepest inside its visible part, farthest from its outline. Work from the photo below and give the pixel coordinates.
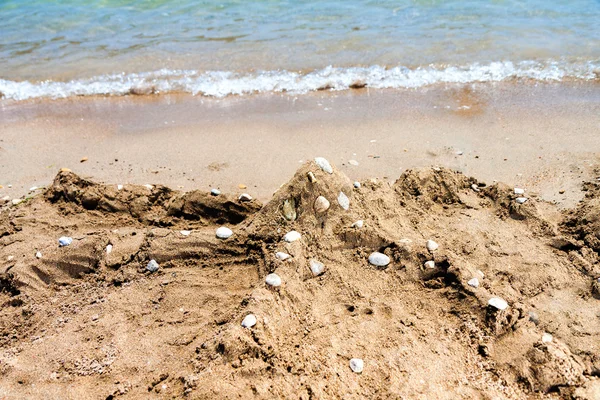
(353, 162)
(119, 187)
(521, 200)
(379, 259)
(245, 197)
(431, 245)
(224, 232)
(185, 233)
(10, 258)
(282, 256)
(519, 191)
(16, 201)
(64, 241)
(109, 248)
(429, 264)
(357, 365)
(358, 224)
(273, 280)
(498, 303)
(38, 254)
(321, 204)
(343, 200)
(249, 321)
(475, 187)
(33, 188)
(149, 187)
(459, 153)
(324, 164)
(292, 236)
(546, 337)
(316, 267)
(474, 283)
(357, 185)
(152, 266)
(215, 192)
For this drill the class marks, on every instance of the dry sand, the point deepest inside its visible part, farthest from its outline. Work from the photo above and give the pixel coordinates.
(82, 323)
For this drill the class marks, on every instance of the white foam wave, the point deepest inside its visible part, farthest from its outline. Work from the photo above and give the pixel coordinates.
(221, 84)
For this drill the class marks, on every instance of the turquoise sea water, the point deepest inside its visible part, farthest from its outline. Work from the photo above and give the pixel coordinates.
(64, 48)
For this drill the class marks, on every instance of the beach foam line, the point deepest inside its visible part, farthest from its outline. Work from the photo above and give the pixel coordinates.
(223, 83)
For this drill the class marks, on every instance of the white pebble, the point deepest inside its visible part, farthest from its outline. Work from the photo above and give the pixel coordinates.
(33, 188)
(475, 187)
(431, 245)
(282, 256)
(273, 280)
(429, 264)
(357, 185)
(224, 232)
(16, 201)
(357, 365)
(358, 224)
(10, 258)
(38, 254)
(324, 165)
(353, 162)
(316, 267)
(64, 241)
(185, 233)
(215, 192)
(249, 321)
(343, 200)
(498, 303)
(459, 153)
(152, 266)
(321, 204)
(119, 187)
(474, 283)
(292, 236)
(521, 200)
(149, 187)
(546, 338)
(379, 259)
(519, 191)
(245, 197)
(109, 248)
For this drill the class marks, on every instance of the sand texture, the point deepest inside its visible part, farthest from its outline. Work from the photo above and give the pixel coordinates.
(81, 323)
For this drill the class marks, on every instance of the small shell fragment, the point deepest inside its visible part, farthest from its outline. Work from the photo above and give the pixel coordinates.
(152, 266)
(109, 248)
(521, 200)
(498, 303)
(249, 321)
(321, 204)
(282, 256)
(223, 232)
(473, 283)
(358, 224)
(357, 365)
(429, 264)
(316, 267)
(343, 201)
(519, 191)
(64, 241)
(273, 280)
(431, 245)
(311, 177)
(245, 197)
(324, 164)
(292, 236)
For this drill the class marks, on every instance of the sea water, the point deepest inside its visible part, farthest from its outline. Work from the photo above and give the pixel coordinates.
(68, 48)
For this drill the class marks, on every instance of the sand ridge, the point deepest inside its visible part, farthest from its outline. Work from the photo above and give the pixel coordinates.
(81, 323)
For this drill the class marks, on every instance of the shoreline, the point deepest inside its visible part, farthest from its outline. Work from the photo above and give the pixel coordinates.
(546, 133)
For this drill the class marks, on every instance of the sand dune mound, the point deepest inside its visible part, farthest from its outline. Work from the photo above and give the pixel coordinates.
(504, 307)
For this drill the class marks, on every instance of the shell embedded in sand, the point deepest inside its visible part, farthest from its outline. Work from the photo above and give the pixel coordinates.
(357, 185)
(521, 200)
(324, 164)
(185, 233)
(519, 191)
(311, 177)
(249, 321)
(473, 283)
(498, 303)
(215, 192)
(224, 232)
(119, 187)
(353, 162)
(289, 209)
(273, 280)
(343, 201)
(109, 248)
(358, 224)
(429, 264)
(431, 245)
(152, 266)
(282, 256)
(38, 254)
(475, 187)
(546, 337)
(292, 236)
(149, 187)
(379, 259)
(245, 197)
(316, 267)
(16, 201)
(64, 241)
(321, 204)
(357, 365)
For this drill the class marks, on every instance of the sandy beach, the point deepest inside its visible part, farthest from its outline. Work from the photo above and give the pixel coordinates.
(502, 305)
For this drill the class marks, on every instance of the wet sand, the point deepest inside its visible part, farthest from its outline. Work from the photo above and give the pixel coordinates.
(542, 137)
